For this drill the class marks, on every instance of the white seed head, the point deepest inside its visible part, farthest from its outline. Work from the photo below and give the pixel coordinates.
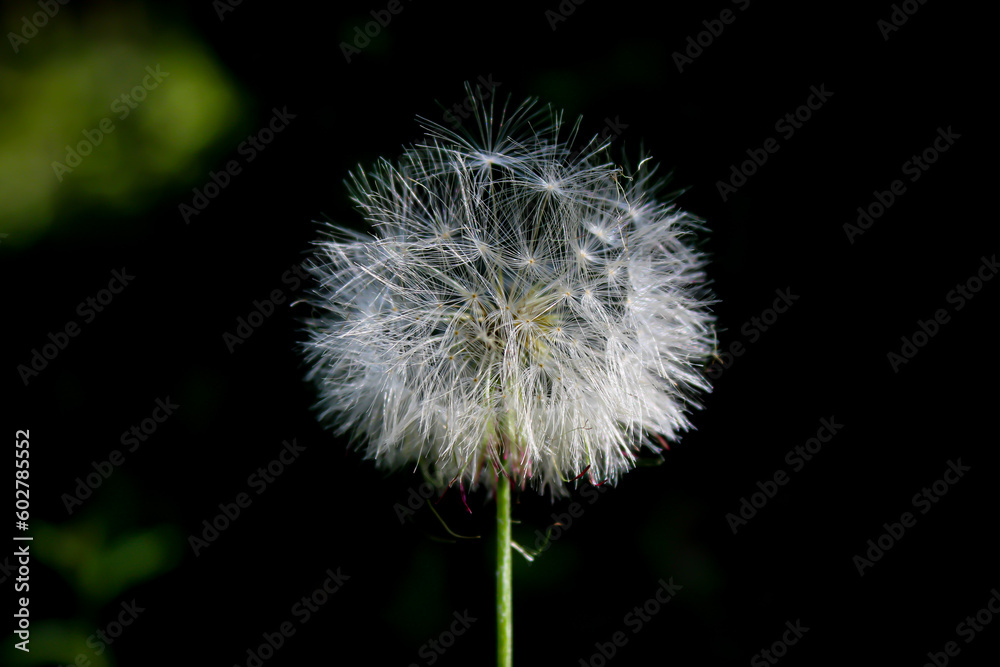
(519, 306)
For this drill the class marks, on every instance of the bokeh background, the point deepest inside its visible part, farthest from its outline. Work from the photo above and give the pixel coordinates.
(222, 73)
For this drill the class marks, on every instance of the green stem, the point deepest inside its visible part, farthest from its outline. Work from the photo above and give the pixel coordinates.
(505, 626)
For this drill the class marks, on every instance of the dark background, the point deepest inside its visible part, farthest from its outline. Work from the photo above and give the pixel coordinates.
(825, 358)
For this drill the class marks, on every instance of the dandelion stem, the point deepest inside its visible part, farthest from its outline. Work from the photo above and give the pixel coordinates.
(505, 630)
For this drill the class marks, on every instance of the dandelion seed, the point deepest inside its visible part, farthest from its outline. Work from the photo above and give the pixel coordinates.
(518, 303)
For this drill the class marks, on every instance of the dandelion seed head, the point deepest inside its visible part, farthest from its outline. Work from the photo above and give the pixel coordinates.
(517, 304)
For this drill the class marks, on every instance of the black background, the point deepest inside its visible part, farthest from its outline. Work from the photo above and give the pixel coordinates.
(825, 358)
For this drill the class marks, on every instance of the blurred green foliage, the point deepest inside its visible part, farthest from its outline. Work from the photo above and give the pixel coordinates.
(100, 563)
(83, 83)
(99, 566)
(61, 94)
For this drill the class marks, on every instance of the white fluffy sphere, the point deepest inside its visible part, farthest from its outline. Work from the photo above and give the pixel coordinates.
(520, 309)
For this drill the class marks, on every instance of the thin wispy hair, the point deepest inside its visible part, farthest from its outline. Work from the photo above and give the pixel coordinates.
(522, 308)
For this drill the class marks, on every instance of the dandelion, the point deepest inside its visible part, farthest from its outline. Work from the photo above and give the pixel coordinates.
(523, 313)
